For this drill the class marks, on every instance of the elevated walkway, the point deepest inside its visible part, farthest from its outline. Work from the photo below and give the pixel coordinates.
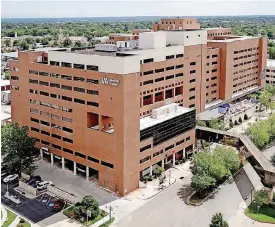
(244, 140)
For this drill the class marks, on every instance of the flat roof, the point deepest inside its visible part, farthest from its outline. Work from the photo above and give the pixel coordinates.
(209, 114)
(216, 28)
(5, 82)
(10, 55)
(230, 39)
(208, 105)
(270, 63)
(149, 121)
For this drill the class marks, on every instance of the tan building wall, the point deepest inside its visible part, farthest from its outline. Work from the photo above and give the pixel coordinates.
(176, 24)
(242, 62)
(270, 72)
(214, 32)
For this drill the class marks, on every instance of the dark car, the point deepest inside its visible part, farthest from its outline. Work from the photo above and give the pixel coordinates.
(58, 206)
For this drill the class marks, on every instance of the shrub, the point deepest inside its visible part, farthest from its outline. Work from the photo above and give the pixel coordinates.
(158, 171)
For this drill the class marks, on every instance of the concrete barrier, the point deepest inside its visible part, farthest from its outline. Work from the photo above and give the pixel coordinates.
(63, 194)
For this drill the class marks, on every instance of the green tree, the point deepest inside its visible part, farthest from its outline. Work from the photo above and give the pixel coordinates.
(228, 157)
(7, 42)
(215, 123)
(158, 171)
(272, 160)
(265, 98)
(24, 45)
(202, 182)
(77, 44)
(261, 197)
(29, 40)
(18, 149)
(259, 134)
(44, 41)
(201, 123)
(15, 43)
(271, 52)
(89, 203)
(67, 43)
(218, 221)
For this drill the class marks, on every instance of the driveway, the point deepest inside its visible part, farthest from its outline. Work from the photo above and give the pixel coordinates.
(168, 209)
(77, 185)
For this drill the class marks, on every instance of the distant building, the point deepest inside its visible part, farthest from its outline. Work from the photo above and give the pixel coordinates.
(62, 37)
(270, 72)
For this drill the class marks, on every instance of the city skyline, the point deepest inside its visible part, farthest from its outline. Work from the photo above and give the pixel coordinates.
(45, 9)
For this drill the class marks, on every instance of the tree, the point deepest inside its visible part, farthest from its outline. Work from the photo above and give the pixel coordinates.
(272, 160)
(261, 197)
(44, 41)
(259, 134)
(15, 43)
(218, 221)
(77, 44)
(215, 123)
(265, 98)
(7, 42)
(202, 182)
(18, 149)
(201, 123)
(158, 171)
(228, 157)
(24, 45)
(89, 203)
(29, 40)
(67, 43)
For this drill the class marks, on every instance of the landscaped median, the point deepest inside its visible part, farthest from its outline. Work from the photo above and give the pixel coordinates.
(266, 213)
(12, 217)
(88, 206)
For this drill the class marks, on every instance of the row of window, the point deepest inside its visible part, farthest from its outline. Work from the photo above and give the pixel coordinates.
(65, 139)
(213, 56)
(74, 65)
(161, 70)
(52, 116)
(245, 56)
(247, 75)
(162, 79)
(244, 70)
(162, 88)
(244, 88)
(64, 77)
(245, 63)
(244, 82)
(51, 125)
(245, 50)
(149, 60)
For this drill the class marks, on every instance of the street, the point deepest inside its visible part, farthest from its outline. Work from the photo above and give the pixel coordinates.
(169, 210)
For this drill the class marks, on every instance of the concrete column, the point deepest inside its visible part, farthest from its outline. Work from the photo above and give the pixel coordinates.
(162, 163)
(184, 153)
(174, 159)
(74, 168)
(87, 172)
(52, 161)
(151, 170)
(193, 147)
(63, 163)
(41, 153)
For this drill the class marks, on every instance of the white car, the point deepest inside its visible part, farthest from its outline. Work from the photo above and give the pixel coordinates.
(43, 184)
(10, 178)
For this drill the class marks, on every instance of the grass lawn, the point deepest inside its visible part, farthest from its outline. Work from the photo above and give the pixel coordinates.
(25, 224)
(266, 213)
(11, 217)
(101, 215)
(107, 223)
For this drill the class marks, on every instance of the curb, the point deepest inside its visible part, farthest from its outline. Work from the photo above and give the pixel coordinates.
(258, 220)
(159, 191)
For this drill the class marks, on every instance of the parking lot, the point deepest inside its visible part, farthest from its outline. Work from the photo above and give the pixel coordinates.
(76, 185)
(32, 209)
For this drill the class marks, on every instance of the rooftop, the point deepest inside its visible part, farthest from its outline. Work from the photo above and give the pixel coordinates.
(229, 39)
(270, 63)
(4, 82)
(149, 121)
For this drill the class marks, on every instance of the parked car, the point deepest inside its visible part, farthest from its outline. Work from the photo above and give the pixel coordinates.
(43, 184)
(33, 182)
(58, 205)
(10, 178)
(3, 174)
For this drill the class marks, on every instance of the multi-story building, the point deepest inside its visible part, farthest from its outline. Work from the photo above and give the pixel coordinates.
(116, 113)
(270, 72)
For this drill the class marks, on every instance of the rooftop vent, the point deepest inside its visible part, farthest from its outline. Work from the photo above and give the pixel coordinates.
(106, 47)
(164, 110)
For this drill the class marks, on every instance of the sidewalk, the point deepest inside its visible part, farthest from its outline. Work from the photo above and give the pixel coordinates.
(134, 200)
(4, 215)
(241, 220)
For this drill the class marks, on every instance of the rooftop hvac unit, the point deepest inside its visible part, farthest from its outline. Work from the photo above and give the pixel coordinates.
(164, 110)
(106, 47)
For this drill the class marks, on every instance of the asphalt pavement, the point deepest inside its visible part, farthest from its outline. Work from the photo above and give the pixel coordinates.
(77, 185)
(168, 209)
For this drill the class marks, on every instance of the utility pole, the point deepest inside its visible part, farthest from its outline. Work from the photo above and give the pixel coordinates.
(110, 213)
(169, 176)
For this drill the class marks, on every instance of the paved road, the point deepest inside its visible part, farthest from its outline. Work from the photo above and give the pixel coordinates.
(169, 210)
(73, 184)
(269, 152)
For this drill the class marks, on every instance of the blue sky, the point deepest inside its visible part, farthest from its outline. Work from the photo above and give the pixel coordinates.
(40, 8)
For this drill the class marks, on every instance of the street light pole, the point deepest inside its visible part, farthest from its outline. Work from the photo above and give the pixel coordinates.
(169, 176)
(251, 194)
(110, 213)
